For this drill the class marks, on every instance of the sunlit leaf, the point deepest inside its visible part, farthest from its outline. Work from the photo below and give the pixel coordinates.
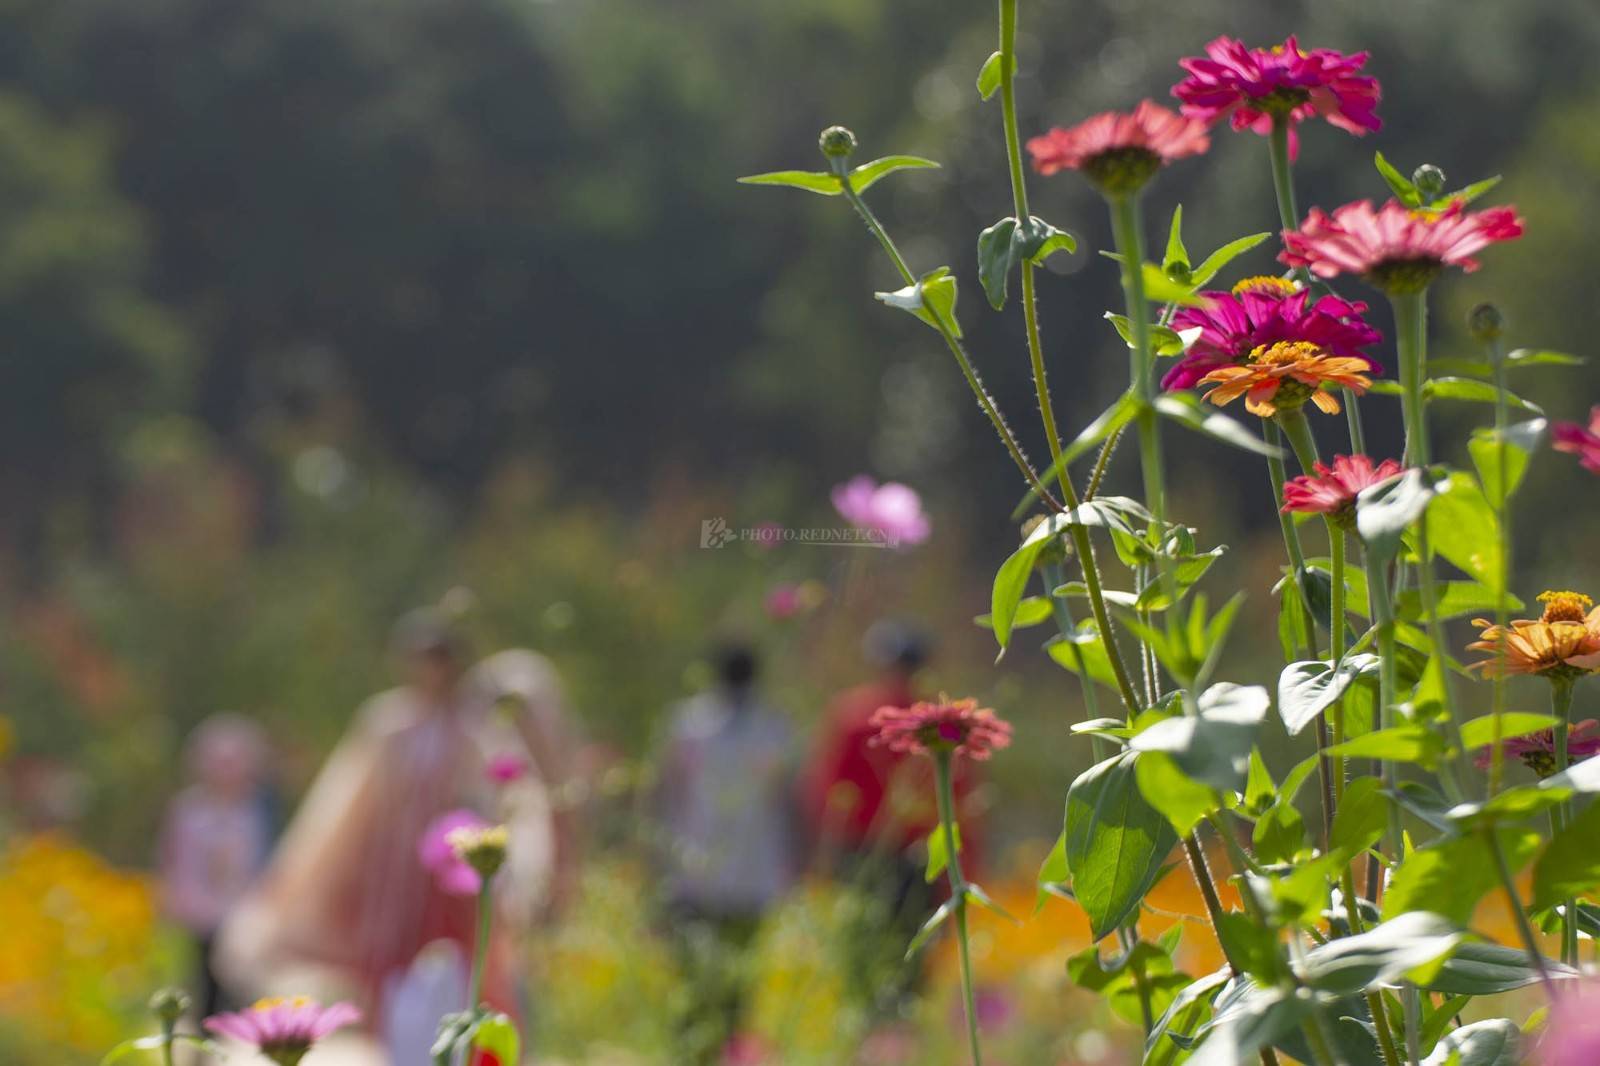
(868, 174)
(1116, 842)
(932, 299)
(816, 181)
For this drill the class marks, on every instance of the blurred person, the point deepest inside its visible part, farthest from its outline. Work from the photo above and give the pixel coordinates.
(215, 837)
(348, 897)
(725, 800)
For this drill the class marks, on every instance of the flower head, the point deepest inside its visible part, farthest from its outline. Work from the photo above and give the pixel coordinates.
(1538, 750)
(1284, 376)
(438, 854)
(1582, 441)
(1253, 87)
(1118, 151)
(1397, 248)
(284, 1029)
(891, 509)
(482, 847)
(787, 599)
(1332, 490)
(1563, 642)
(1263, 311)
(506, 766)
(957, 726)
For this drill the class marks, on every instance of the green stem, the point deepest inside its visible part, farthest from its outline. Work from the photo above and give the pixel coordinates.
(1380, 1019)
(1208, 893)
(1383, 618)
(1051, 574)
(1502, 609)
(1561, 707)
(480, 948)
(168, 1035)
(958, 893)
(1128, 937)
(1519, 916)
(1337, 648)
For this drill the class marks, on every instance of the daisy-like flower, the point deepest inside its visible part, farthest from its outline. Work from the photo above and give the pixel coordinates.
(1563, 642)
(1582, 441)
(1332, 490)
(1538, 750)
(1120, 151)
(1399, 249)
(957, 726)
(283, 1030)
(1252, 87)
(437, 852)
(1266, 310)
(1284, 376)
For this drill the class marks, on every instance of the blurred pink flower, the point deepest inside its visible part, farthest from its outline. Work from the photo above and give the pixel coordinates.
(1582, 441)
(789, 598)
(1397, 248)
(1538, 750)
(284, 1029)
(744, 1049)
(1120, 151)
(1250, 86)
(769, 535)
(892, 509)
(506, 767)
(958, 726)
(450, 872)
(1572, 1034)
(1332, 490)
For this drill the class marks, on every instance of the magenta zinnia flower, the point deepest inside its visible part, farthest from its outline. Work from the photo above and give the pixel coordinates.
(1264, 311)
(1254, 86)
(890, 509)
(453, 874)
(284, 1029)
(1538, 750)
(1584, 442)
(1332, 490)
(1397, 248)
(957, 726)
(1120, 152)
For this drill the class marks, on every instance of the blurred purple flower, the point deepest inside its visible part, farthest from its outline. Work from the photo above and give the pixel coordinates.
(1572, 1036)
(284, 1029)
(892, 509)
(450, 872)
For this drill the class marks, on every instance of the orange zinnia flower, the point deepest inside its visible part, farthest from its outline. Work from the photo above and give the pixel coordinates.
(1285, 375)
(1564, 640)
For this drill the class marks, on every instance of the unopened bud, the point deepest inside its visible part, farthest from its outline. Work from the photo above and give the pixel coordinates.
(168, 1005)
(1486, 322)
(837, 142)
(1179, 271)
(1429, 181)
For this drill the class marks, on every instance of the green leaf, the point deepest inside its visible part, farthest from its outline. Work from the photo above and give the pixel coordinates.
(1455, 598)
(816, 181)
(1470, 391)
(1279, 834)
(1450, 877)
(1570, 864)
(1183, 801)
(1538, 357)
(1306, 689)
(1402, 186)
(1031, 611)
(931, 926)
(1380, 956)
(1214, 745)
(1259, 790)
(1223, 256)
(1401, 743)
(1177, 255)
(1495, 1042)
(497, 1035)
(938, 855)
(1479, 732)
(866, 175)
(1361, 817)
(1005, 244)
(1163, 290)
(1084, 643)
(1053, 872)
(1188, 411)
(1256, 1019)
(1521, 441)
(989, 75)
(1182, 1019)
(1481, 968)
(1116, 842)
(932, 299)
(1469, 193)
(1462, 528)
(986, 901)
(1384, 511)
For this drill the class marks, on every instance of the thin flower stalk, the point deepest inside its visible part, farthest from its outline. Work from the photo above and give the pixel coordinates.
(1502, 608)
(1561, 816)
(958, 893)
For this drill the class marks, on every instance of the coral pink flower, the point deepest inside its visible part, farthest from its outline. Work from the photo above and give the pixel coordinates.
(1397, 248)
(1584, 442)
(1263, 311)
(1120, 152)
(450, 872)
(1572, 1035)
(1254, 86)
(1538, 750)
(506, 767)
(890, 509)
(284, 1029)
(1332, 490)
(957, 726)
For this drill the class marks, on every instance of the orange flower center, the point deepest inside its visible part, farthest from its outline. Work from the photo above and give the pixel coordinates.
(1266, 284)
(1284, 353)
(1563, 606)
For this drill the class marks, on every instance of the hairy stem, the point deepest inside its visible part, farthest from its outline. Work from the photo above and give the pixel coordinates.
(958, 892)
(1502, 610)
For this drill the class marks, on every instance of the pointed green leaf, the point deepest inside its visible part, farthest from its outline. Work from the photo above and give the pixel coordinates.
(1570, 865)
(1480, 968)
(1402, 186)
(1494, 1042)
(932, 299)
(1306, 689)
(1220, 258)
(867, 175)
(1521, 441)
(1177, 255)
(1463, 529)
(938, 854)
(1451, 876)
(1116, 842)
(931, 926)
(989, 75)
(1189, 412)
(1380, 956)
(810, 180)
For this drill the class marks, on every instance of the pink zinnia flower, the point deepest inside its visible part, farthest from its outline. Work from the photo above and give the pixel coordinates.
(1332, 490)
(1538, 750)
(1263, 311)
(506, 767)
(1584, 442)
(284, 1029)
(1572, 1035)
(1397, 248)
(1254, 86)
(1120, 152)
(957, 726)
(890, 509)
(450, 871)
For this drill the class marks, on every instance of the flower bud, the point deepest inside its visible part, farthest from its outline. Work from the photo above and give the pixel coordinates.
(1180, 272)
(1486, 323)
(483, 849)
(168, 1005)
(837, 142)
(1429, 181)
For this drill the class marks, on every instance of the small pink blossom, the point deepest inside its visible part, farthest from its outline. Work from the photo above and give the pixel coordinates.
(1572, 1034)
(1120, 151)
(1537, 751)
(1582, 441)
(1397, 248)
(890, 509)
(1332, 490)
(283, 1029)
(506, 767)
(957, 726)
(451, 873)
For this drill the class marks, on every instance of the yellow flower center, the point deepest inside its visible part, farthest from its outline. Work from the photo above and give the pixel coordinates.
(1284, 353)
(1564, 606)
(1267, 284)
(278, 1001)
